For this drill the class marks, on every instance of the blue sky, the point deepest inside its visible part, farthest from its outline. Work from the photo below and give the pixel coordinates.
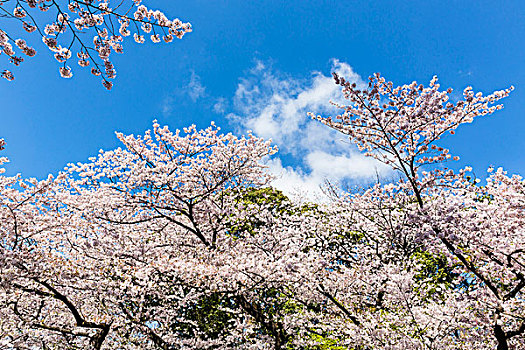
(261, 65)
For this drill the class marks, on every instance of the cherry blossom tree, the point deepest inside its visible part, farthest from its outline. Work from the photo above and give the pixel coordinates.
(475, 231)
(62, 27)
(124, 251)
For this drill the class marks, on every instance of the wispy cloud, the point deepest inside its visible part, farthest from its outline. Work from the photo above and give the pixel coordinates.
(220, 105)
(188, 92)
(195, 88)
(167, 105)
(274, 105)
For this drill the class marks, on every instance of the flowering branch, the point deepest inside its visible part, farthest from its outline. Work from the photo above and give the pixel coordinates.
(77, 18)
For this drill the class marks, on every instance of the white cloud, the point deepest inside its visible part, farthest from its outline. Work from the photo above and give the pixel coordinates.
(295, 182)
(274, 106)
(322, 168)
(353, 165)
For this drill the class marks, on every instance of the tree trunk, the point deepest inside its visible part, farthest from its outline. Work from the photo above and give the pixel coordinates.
(501, 337)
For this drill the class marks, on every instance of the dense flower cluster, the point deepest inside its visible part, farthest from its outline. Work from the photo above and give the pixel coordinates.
(72, 19)
(176, 241)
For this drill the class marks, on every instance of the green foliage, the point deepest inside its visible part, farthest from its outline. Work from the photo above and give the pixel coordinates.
(435, 274)
(265, 196)
(258, 199)
(325, 342)
(209, 316)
